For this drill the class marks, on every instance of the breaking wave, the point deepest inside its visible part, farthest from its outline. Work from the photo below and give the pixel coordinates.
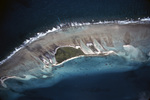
(73, 24)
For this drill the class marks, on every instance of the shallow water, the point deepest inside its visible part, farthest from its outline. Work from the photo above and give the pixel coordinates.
(88, 78)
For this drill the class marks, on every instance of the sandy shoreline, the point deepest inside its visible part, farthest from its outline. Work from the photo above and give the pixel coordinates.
(28, 77)
(109, 36)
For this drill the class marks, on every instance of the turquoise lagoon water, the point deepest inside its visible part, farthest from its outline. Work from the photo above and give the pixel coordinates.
(87, 78)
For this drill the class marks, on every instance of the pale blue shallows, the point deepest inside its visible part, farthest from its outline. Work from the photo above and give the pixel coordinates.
(91, 78)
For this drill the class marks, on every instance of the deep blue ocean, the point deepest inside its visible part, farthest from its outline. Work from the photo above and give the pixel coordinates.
(87, 78)
(22, 19)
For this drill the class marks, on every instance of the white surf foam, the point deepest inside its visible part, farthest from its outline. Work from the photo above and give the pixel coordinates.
(30, 40)
(139, 21)
(145, 19)
(72, 24)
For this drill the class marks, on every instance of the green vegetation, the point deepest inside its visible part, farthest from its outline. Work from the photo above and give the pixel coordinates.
(66, 53)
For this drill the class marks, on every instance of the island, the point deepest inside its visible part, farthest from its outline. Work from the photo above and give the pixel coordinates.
(65, 53)
(38, 58)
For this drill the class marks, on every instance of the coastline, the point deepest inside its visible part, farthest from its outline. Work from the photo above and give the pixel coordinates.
(68, 60)
(102, 54)
(106, 53)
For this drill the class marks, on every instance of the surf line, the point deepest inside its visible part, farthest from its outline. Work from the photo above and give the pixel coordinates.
(145, 20)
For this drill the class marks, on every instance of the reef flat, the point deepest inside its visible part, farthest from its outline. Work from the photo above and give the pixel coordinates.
(36, 59)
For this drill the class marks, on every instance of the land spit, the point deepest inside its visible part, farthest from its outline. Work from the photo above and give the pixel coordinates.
(38, 58)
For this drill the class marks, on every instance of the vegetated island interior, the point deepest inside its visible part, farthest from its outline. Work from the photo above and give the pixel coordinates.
(65, 53)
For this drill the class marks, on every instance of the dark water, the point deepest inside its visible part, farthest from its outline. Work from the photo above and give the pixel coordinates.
(21, 19)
